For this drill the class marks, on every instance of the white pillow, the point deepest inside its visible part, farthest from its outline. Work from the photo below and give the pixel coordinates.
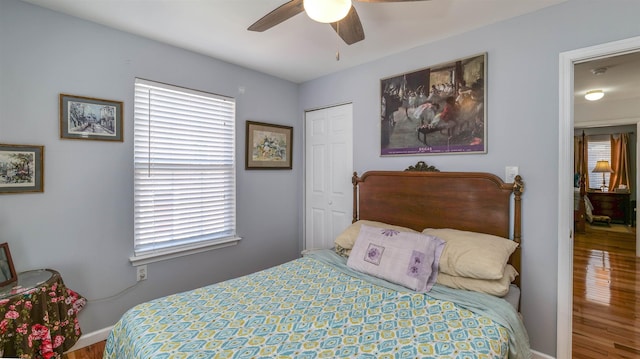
(497, 287)
(473, 255)
(404, 258)
(588, 208)
(347, 238)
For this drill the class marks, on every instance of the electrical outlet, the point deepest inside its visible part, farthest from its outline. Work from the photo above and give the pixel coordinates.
(510, 173)
(141, 272)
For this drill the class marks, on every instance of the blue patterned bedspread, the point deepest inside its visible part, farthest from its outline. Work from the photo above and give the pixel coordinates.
(306, 308)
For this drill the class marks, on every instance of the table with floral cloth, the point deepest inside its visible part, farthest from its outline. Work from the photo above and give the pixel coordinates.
(38, 316)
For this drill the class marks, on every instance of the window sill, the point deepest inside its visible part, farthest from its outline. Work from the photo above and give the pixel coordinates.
(181, 252)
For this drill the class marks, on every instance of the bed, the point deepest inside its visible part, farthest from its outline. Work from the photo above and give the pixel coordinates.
(319, 306)
(582, 207)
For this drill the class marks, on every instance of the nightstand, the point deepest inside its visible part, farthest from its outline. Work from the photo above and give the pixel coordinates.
(40, 314)
(612, 204)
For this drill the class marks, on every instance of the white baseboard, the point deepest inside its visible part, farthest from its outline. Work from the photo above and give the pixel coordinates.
(537, 355)
(91, 338)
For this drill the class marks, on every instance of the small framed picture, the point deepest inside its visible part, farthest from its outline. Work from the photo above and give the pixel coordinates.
(86, 118)
(268, 146)
(7, 270)
(21, 168)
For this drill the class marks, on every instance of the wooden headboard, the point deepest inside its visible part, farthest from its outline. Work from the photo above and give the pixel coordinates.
(469, 201)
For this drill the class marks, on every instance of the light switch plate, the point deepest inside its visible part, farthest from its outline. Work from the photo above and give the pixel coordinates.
(510, 173)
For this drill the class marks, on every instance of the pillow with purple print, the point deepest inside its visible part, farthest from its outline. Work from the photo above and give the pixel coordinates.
(404, 258)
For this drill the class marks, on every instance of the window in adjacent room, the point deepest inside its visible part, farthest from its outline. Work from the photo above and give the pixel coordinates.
(184, 171)
(599, 148)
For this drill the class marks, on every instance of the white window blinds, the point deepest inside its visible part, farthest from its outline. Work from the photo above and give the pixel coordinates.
(184, 164)
(599, 148)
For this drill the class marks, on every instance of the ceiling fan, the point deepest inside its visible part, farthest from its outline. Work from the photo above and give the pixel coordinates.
(346, 23)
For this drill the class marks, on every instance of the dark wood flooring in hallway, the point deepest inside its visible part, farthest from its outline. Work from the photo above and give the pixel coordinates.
(606, 310)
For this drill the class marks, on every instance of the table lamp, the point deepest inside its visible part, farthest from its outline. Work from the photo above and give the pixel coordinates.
(602, 167)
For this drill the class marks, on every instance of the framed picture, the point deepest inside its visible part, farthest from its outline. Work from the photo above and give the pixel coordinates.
(7, 271)
(86, 118)
(268, 146)
(21, 168)
(437, 110)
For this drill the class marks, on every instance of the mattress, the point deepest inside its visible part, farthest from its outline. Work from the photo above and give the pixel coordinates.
(513, 296)
(316, 307)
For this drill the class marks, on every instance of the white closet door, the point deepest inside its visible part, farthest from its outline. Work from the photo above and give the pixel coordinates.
(329, 167)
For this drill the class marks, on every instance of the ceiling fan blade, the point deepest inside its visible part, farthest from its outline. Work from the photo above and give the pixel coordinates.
(350, 29)
(280, 14)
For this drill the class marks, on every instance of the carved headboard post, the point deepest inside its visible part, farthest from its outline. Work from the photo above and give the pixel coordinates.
(516, 257)
(518, 188)
(354, 180)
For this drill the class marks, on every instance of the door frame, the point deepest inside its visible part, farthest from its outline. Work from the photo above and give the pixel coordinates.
(565, 181)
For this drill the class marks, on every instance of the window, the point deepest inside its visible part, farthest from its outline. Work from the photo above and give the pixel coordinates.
(184, 171)
(599, 148)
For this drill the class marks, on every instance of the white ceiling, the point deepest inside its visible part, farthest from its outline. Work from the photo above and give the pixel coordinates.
(621, 84)
(298, 49)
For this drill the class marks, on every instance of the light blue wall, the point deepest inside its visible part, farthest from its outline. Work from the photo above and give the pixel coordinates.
(523, 102)
(82, 225)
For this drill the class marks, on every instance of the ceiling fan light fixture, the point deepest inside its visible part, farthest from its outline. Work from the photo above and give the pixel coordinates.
(594, 95)
(327, 11)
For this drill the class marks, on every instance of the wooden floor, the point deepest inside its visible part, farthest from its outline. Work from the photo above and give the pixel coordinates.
(91, 352)
(606, 306)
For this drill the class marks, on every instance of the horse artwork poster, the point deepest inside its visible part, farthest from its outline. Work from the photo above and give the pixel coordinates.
(86, 118)
(269, 146)
(436, 110)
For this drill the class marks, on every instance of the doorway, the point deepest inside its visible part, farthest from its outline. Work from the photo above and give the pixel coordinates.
(565, 173)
